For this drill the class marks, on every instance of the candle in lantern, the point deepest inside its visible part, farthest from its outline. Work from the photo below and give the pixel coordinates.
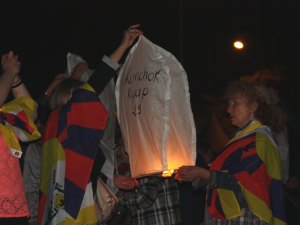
(167, 173)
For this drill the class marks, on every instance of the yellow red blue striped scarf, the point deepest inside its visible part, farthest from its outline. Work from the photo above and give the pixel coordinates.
(16, 118)
(252, 157)
(70, 143)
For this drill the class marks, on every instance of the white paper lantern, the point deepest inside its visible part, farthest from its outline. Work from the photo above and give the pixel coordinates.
(154, 111)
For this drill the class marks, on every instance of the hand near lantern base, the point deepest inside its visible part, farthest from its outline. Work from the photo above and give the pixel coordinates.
(190, 173)
(176, 177)
(125, 182)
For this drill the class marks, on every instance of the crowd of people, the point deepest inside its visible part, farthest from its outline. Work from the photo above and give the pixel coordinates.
(54, 178)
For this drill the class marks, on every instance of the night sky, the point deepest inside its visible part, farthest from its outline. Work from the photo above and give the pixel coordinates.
(42, 32)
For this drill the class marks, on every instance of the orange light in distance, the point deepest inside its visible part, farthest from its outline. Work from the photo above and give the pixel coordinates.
(238, 45)
(167, 173)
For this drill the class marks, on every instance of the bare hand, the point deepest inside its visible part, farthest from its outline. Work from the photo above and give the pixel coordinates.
(10, 63)
(190, 173)
(293, 182)
(176, 177)
(79, 69)
(58, 78)
(129, 35)
(125, 182)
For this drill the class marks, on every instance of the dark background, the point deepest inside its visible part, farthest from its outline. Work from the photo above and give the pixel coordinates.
(199, 33)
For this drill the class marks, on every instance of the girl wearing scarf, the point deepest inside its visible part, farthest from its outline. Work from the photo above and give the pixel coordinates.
(70, 144)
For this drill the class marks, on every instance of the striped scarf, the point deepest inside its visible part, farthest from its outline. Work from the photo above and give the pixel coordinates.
(70, 143)
(253, 158)
(16, 120)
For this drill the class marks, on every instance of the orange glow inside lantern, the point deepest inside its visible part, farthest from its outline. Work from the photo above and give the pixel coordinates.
(148, 160)
(167, 173)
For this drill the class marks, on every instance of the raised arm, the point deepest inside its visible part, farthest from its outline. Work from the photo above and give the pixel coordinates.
(106, 70)
(18, 88)
(44, 98)
(11, 68)
(129, 36)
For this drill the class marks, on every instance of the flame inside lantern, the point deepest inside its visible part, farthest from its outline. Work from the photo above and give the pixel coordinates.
(167, 173)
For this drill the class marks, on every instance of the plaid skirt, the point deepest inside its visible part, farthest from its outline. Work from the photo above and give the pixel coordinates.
(247, 218)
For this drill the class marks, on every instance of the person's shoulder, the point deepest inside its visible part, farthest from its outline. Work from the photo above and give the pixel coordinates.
(87, 87)
(265, 133)
(84, 93)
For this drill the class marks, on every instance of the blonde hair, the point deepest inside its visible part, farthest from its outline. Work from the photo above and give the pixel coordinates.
(267, 113)
(62, 93)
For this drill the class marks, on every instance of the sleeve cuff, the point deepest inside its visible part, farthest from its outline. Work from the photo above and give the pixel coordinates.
(112, 63)
(213, 183)
(199, 183)
(224, 180)
(195, 184)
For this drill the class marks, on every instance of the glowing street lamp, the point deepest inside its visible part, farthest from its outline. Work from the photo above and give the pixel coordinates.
(238, 45)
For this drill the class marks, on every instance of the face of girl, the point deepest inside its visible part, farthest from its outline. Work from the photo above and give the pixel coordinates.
(240, 112)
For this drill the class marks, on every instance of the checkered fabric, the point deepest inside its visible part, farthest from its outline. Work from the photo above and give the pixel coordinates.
(247, 218)
(155, 201)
